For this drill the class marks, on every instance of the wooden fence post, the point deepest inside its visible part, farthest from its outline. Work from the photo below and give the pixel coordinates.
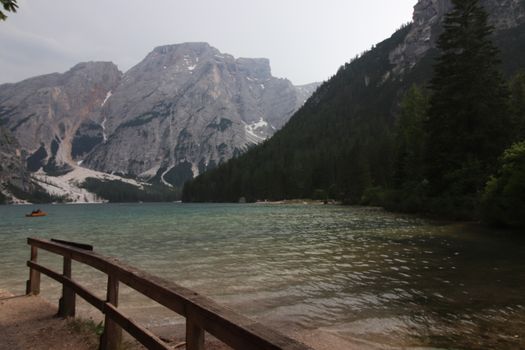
(66, 305)
(112, 336)
(33, 284)
(194, 335)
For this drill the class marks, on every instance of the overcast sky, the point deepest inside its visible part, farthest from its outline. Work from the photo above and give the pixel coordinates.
(305, 40)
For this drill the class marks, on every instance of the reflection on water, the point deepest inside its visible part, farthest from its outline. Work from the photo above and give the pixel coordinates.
(359, 273)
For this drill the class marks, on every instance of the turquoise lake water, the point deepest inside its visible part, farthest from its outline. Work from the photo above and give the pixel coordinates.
(358, 273)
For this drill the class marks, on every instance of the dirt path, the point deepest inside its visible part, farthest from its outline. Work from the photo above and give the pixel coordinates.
(28, 322)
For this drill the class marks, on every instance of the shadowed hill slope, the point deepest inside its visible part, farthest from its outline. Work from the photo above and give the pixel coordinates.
(341, 142)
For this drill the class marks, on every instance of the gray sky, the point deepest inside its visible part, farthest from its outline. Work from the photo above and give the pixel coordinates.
(305, 40)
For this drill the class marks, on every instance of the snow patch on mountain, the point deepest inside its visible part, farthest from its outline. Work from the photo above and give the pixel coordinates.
(255, 131)
(108, 95)
(162, 177)
(69, 185)
(103, 125)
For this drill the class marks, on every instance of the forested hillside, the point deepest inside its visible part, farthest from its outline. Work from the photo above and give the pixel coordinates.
(343, 143)
(336, 145)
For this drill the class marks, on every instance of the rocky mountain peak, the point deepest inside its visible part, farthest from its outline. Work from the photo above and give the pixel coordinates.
(93, 69)
(428, 16)
(183, 109)
(257, 68)
(170, 59)
(193, 47)
(45, 112)
(191, 107)
(168, 55)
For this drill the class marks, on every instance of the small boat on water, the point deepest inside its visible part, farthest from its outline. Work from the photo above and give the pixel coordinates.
(36, 213)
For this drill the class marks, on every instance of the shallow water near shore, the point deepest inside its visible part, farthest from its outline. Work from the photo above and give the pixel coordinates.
(361, 274)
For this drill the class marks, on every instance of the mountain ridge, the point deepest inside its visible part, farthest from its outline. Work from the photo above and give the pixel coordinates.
(427, 18)
(200, 108)
(188, 106)
(351, 121)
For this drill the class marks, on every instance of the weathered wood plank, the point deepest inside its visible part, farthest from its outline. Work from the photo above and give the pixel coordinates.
(81, 291)
(111, 339)
(84, 256)
(73, 244)
(67, 302)
(144, 336)
(235, 330)
(171, 296)
(194, 336)
(33, 284)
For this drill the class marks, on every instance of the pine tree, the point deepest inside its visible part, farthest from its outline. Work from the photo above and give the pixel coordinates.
(468, 122)
(410, 138)
(8, 6)
(503, 201)
(517, 105)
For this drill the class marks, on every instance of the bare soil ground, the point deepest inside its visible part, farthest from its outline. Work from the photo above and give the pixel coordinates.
(30, 323)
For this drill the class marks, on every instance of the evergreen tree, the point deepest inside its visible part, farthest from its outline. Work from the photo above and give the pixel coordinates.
(357, 176)
(517, 105)
(410, 138)
(503, 201)
(468, 124)
(8, 6)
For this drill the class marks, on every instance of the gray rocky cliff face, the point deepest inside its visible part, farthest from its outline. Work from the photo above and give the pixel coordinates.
(427, 19)
(186, 108)
(44, 113)
(11, 166)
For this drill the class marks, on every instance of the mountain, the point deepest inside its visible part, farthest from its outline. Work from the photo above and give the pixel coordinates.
(184, 109)
(190, 107)
(11, 167)
(39, 118)
(341, 143)
(45, 113)
(426, 27)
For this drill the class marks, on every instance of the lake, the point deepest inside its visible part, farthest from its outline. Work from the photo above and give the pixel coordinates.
(359, 274)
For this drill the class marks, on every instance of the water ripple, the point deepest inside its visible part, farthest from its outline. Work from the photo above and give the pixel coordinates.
(359, 272)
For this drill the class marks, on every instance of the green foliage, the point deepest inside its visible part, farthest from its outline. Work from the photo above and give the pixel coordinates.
(340, 142)
(118, 192)
(374, 196)
(410, 137)
(410, 185)
(99, 328)
(52, 169)
(179, 174)
(517, 105)
(511, 43)
(33, 193)
(87, 327)
(503, 201)
(320, 194)
(468, 121)
(9, 6)
(372, 137)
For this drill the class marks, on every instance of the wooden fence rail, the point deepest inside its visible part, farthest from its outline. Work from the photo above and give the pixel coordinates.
(202, 314)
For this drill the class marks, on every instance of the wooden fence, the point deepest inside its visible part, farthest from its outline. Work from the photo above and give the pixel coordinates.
(202, 314)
